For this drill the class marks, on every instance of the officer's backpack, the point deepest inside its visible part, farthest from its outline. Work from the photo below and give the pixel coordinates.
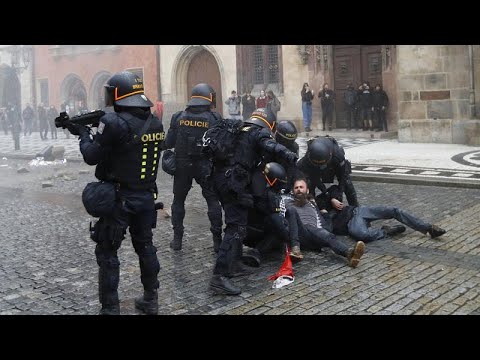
(219, 141)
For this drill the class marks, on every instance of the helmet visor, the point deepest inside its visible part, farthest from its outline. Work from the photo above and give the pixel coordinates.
(109, 95)
(319, 164)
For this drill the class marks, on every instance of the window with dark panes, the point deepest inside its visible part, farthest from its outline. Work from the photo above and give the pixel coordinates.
(258, 64)
(259, 68)
(272, 64)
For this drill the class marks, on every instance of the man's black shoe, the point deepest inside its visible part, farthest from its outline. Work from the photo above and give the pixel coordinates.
(436, 231)
(222, 285)
(393, 230)
(148, 303)
(110, 310)
(252, 258)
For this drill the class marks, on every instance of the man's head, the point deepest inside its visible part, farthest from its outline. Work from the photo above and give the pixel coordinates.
(234, 93)
(125, 89)
(275, 175)
(286, 132)
(319, 152)
(262, 117)
(300, 187)
(270, 94)
(203, 94)
(325, 86)
(300, 192)
(378, 87)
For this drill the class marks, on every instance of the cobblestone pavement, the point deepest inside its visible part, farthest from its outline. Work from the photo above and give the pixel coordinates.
(47, 262)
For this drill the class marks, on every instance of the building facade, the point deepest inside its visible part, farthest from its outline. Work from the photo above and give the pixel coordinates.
(433, 90)
(75, 74)
(16, 65)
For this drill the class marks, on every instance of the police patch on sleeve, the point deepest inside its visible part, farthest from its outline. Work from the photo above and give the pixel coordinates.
(101, 126)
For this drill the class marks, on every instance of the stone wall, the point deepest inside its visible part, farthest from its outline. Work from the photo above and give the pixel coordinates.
(433, 83)
(295, 73)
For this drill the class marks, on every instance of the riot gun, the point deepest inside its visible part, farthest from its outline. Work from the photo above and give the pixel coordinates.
(91, 118)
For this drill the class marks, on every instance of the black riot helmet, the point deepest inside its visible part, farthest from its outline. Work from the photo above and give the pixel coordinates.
(275, 175)
(262, 117)
(203, 94)
(126, 89)
(319, 152)
(286, 131)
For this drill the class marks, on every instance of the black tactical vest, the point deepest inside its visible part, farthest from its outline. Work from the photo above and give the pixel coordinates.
(135, 164)
(190, 129)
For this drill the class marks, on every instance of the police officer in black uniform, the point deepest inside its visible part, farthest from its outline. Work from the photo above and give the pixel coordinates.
(126, 150)
(185, 135)
(267, 229)
(232, 178)
(286, 133)
(325, 160)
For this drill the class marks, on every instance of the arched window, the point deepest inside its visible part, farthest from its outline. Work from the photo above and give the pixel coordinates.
(259, 67)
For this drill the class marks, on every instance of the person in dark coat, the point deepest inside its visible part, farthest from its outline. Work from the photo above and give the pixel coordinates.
(327, 100)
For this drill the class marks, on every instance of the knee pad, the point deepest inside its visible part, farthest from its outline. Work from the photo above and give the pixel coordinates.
(144, 248)
(107, 235)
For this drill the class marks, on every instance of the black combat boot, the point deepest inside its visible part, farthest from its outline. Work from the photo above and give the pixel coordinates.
(393, 230)
(148, 303)
(436, 231)
(222, 285)
(252, 258)
(109, 309)
(107, 293)
(176, 243)
(354, 254)
(240, 269)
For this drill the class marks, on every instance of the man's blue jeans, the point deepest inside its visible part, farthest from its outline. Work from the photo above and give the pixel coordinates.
(362, 216)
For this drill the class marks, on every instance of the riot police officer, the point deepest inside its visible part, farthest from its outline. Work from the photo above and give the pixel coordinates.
(126, 150)
(232, 177)
(185, 135)
(325, 160)
(286, 133)
(266, 228)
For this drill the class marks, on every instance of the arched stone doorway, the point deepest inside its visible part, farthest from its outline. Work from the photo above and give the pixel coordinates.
(9, 87)
(97, 94)
(204, 69)
(73, 93)
(196, 64)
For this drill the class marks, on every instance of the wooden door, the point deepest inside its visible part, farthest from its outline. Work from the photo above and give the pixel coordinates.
(354, 64)
(372, 64)
(204, 69)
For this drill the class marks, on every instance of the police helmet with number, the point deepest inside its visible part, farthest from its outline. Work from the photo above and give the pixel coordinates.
(126, 89)
(262, 117)
(319, 152)
(203, 94)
